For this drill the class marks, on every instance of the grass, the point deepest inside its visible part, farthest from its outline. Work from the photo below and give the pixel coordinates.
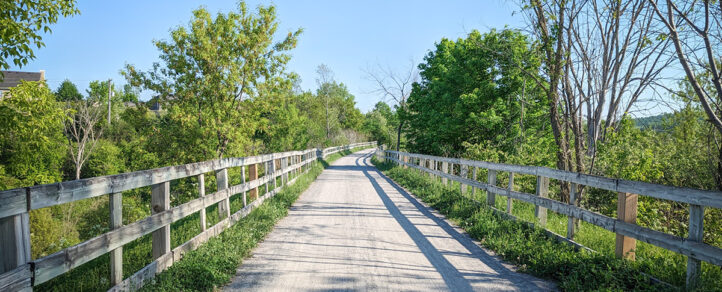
(212, 264)
(535, 253)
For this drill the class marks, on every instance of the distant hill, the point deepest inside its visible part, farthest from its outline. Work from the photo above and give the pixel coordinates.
(651, 122)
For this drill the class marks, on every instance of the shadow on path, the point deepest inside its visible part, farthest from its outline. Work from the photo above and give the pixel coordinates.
(454, 279)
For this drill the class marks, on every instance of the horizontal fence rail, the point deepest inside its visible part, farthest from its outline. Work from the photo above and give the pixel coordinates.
(624, 226)
(19, 272)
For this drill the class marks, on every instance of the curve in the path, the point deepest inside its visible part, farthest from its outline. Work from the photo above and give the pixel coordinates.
(355, 229)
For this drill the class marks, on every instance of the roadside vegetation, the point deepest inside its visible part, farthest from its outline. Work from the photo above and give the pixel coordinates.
(534, 252)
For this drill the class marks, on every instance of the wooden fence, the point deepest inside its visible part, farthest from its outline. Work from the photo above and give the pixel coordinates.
(19, 272)
(624, 226)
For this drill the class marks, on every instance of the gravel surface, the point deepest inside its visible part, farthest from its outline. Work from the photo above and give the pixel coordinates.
(356, 230)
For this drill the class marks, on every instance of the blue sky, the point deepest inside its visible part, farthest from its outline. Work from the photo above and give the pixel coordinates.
(347, 36)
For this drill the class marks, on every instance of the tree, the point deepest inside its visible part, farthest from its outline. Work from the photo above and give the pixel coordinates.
(473, 91)
(31, 146)
(210, 76)
(696, 32)
(67, 91)
(614, 58)
(83, 131)
(598, 56)
(381, 123)
(395, 86)
(325, 77)
(22, 22)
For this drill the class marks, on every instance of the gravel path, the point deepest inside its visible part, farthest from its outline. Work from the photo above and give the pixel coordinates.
(356, 230)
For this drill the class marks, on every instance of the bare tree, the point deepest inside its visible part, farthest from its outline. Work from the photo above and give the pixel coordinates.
(82, 132)
(547, 19)
(695, 28)
(325, 76)
(395, 86)
(614, 58)
(600, 57)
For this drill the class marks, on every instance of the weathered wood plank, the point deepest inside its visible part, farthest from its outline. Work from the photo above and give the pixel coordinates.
(491, 197)
(243, 181)
(224, 206)
(444, 169)
(683, 195)
(116, 221)
(509, 201)
(145, 275)
(571, 221)
(696, 232)
(252, 176)
(160, 201)
(201, 194)
(16, 279)
(64, 192)
(627, 212)
(14, 241)
(542, 190)
(13, 202)
(464, 171)
(473, 189)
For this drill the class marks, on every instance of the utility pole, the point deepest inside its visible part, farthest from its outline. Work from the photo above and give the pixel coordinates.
(110, 93)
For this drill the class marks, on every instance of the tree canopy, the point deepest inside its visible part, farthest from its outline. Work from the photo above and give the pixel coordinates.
(23, 22)
(213, 76)
(473, 90)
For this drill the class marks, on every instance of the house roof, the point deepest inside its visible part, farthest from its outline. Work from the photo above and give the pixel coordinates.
(11, 79)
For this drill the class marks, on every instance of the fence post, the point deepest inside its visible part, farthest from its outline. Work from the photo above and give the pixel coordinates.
(490, 196)
(432, 166)
(253, 175)
(201, 194)
(509, 190)
(160, 201)
(473, 188)
(444, 169)
(277, 166)
(542, 190)
(464, 174)
(116, 221)
(284, 170)
(696, 228)
(15, 244)
(571, 221)
(266, 173)
(243, 181)
(224, 206)
(626, 212)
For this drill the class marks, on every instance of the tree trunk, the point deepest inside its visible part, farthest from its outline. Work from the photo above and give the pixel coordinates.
(398, 136)
(718, 176)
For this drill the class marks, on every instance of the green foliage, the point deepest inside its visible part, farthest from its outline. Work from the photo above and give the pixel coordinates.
(473, 91)
(106, 159)
(332, 115)
(23, 22)
(213, 77)
(381, 123)
(285, 128)
(67, 91)
(32, 146)
(652, 122)
(47, 233)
